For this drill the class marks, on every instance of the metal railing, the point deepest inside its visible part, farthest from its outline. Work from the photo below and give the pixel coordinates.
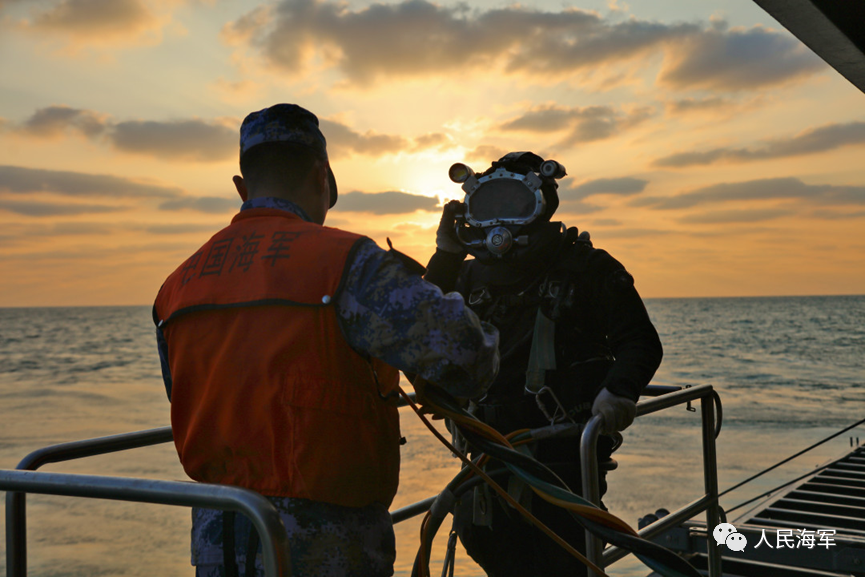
(25, 479)
(708, 502)
(259, 510)
(264, 516)
(16, 503)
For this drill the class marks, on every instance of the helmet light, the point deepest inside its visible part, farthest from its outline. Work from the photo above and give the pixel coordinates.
(553, 169)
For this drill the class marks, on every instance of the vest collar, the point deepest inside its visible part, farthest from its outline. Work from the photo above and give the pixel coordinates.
(257, 212)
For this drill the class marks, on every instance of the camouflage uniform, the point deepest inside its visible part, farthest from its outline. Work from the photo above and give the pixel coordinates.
(326, 540)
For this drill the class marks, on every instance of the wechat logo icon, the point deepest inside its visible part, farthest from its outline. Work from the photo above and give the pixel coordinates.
(726, 534)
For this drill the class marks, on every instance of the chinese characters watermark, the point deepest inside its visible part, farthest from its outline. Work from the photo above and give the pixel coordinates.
(726, 534)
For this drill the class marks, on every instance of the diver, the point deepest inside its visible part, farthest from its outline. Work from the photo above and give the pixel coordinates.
(576, 341)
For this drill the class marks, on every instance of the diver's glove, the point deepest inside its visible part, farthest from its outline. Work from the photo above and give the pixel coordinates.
(446, 235)
(618, 412)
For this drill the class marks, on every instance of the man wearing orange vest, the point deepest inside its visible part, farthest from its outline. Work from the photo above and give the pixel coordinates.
(280, 341)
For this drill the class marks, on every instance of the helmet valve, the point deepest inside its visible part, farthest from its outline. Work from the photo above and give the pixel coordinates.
(499, 240)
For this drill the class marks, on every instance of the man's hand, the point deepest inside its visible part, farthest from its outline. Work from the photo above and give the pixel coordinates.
(446, 236)
(618, 412)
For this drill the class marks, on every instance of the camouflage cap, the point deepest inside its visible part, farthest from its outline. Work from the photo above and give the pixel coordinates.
(286, 123)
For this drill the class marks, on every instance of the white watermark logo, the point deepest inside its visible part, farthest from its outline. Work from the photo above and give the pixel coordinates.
(726, 534)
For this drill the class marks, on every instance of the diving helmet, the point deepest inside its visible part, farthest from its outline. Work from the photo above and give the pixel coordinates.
(505, 204)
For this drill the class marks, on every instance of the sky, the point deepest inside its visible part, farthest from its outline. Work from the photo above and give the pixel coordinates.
(707, 149)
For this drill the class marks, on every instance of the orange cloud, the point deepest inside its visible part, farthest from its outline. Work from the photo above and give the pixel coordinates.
(21, 180)
(199, 140)
(766, 189)
(811, 141)
(416, 38)
(54, 121)
(585, 124)
(738, 59)
(101, 23)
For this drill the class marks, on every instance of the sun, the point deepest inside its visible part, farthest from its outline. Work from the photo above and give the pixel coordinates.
(427, 175)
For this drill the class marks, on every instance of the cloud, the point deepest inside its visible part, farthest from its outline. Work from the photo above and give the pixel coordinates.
(17, 179)
(104, 23)
(235, 92)
(205, 204)
(185, 228)
(586, 124)
(196, 140)
(176, 140)
(624, 186)
(486, 154)
(92, 16)
(79, 228)
(435, 140)
(838, 214)
(200, 140)
(811, 141)
(763, 189)
(577, 206)
(738, 59)
(735, 216)
(342, 141)
(36, 208)
(698, 105)
(101, 23)
(627, 232)
(416, 38)
(26, 231)
(55, 120)
(385, 202)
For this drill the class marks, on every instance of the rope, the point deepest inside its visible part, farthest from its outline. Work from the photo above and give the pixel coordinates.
(608, 526)
(501, 492)
(787, 460)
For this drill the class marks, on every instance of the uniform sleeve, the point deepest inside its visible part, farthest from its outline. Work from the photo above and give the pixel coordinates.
(631, 335)
(391, 313)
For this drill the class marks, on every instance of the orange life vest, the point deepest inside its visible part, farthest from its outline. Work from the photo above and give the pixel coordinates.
(266, 393)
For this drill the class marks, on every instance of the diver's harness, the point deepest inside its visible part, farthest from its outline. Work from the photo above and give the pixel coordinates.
(555, 295)
(555, 292)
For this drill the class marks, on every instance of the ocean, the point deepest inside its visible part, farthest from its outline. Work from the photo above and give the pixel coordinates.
(790, 371)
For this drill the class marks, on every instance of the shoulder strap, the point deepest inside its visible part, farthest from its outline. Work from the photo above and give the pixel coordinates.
(542, 356)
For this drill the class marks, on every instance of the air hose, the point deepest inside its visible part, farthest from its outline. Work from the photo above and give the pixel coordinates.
(493, 445)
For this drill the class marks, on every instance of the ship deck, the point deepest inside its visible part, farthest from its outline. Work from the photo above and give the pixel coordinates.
(815, 527)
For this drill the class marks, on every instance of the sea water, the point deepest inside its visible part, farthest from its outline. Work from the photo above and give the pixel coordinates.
(789, 370)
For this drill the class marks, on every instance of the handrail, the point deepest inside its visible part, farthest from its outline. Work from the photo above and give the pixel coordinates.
(92, 447)
(16, 499)
(708, 502)
(16, 524)
(259, 510)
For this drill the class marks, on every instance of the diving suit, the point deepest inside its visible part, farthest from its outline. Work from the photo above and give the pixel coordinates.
(575, 340)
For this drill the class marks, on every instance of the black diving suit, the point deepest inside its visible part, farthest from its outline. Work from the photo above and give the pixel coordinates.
(603, 337)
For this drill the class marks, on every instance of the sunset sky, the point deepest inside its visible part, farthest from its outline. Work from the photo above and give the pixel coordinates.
(707, 148)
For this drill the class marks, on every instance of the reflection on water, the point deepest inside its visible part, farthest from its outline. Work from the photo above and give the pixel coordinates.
(789, 370)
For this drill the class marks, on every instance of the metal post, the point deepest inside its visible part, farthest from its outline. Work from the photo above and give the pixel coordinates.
(710, 478)
(260, 511)
(16, 503)
(591, 485)
(16, 535)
